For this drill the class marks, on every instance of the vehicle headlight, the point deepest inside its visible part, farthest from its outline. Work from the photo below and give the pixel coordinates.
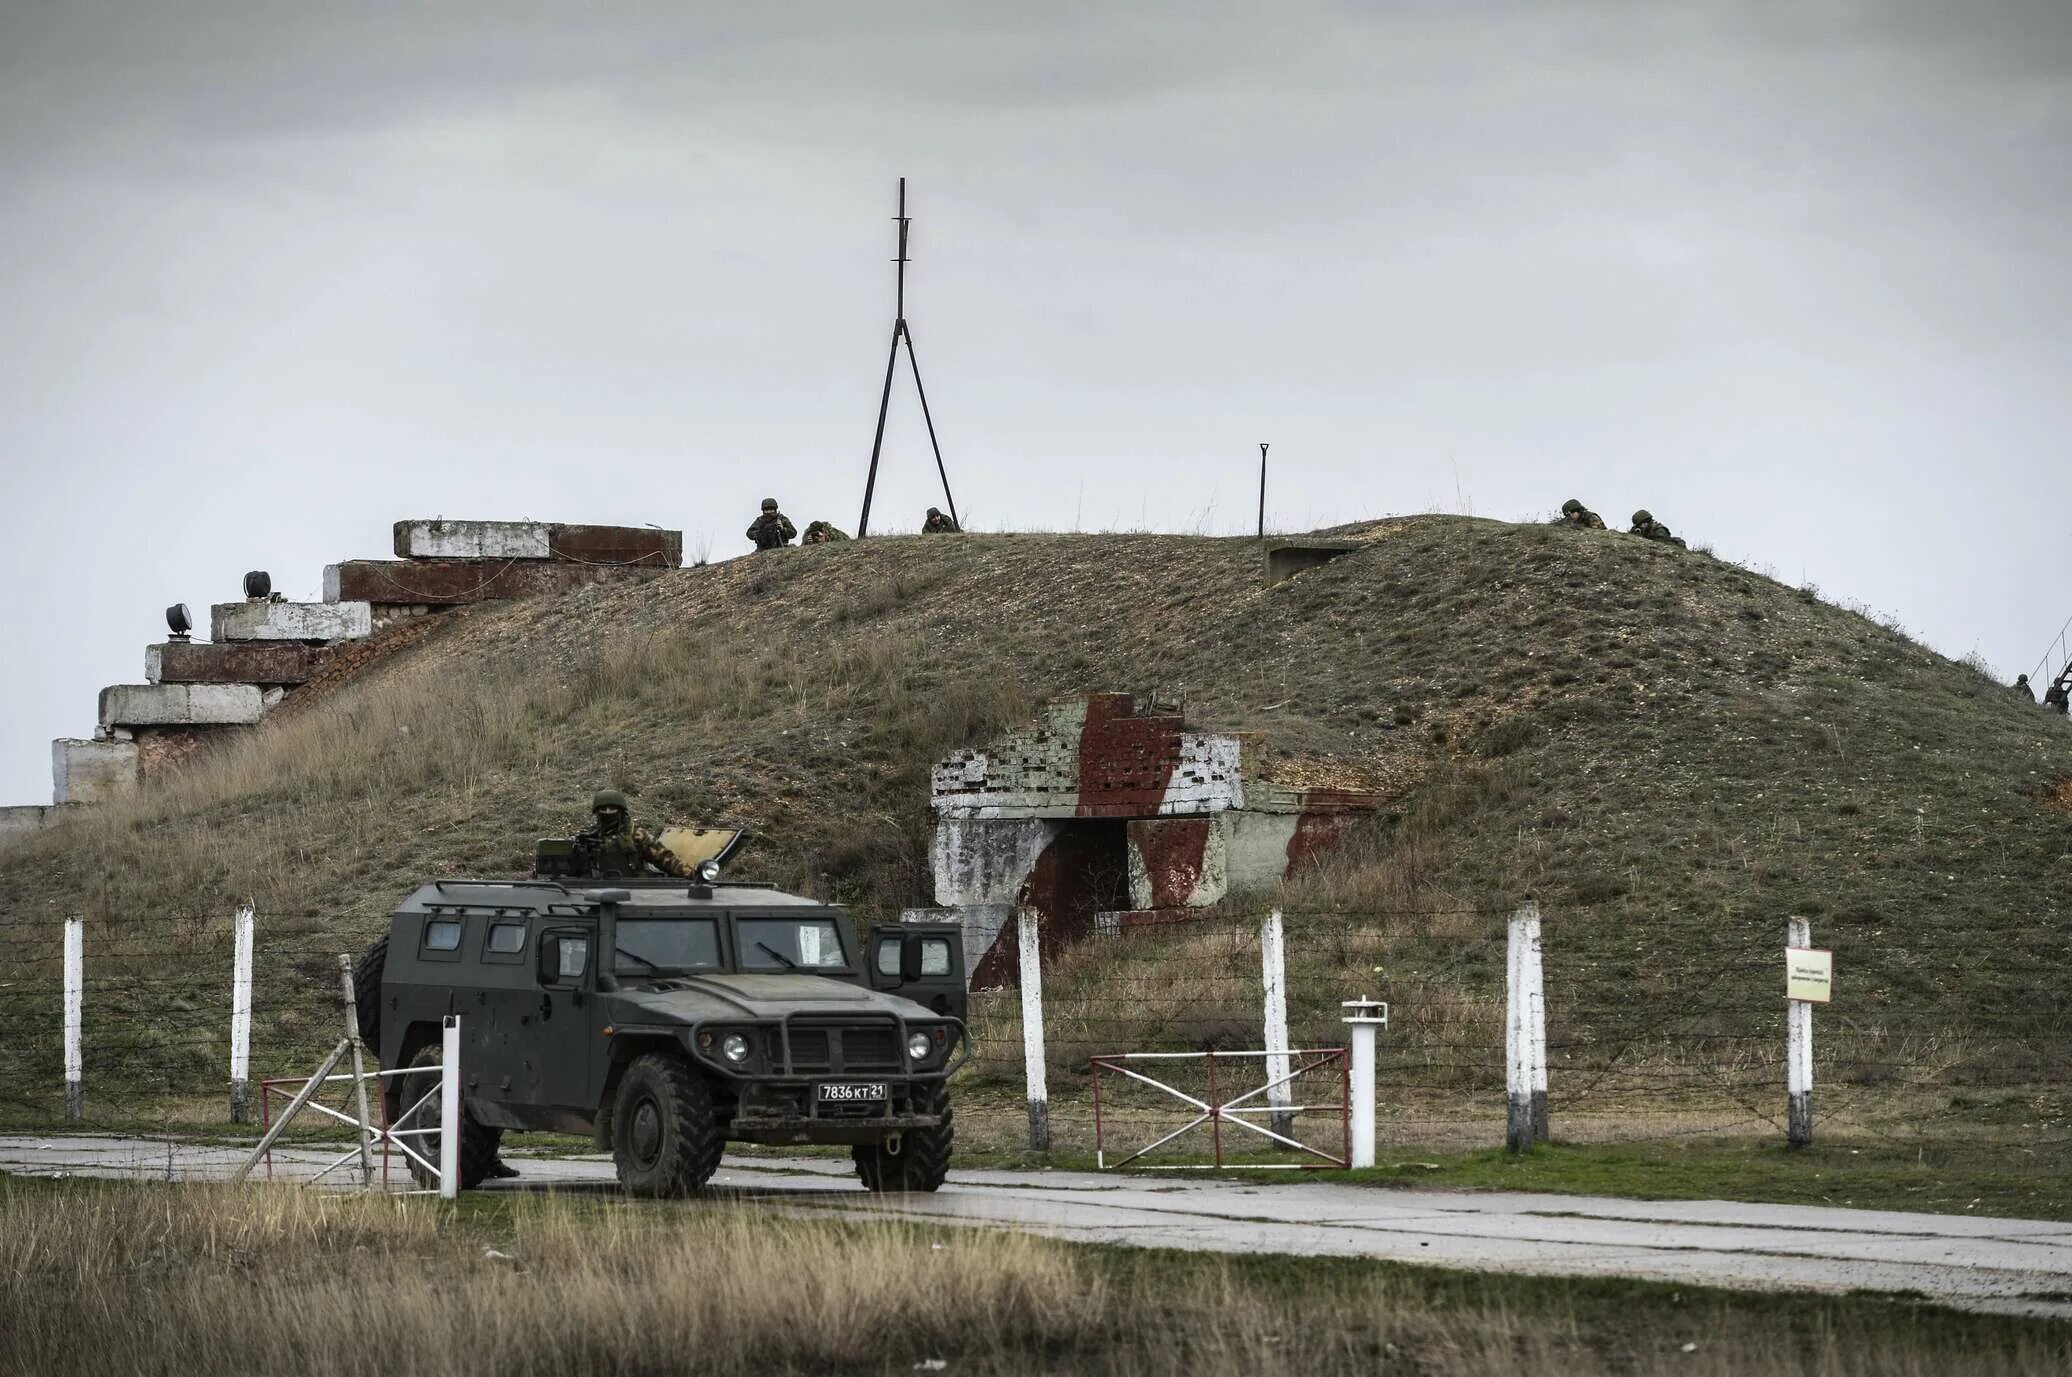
(734, 1047)
(918, 1046)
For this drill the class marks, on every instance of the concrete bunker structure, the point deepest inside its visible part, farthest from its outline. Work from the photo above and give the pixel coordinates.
(265, 647)
(1102, 819)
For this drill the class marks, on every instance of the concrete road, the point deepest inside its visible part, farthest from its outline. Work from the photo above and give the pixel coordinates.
(2014, 1265)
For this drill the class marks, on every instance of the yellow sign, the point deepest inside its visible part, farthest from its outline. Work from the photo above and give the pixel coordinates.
(1809, 975)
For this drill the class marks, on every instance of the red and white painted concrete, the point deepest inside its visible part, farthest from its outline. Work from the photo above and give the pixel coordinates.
(1102, 818)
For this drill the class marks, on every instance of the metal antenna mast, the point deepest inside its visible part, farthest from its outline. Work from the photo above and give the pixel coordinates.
(901, 334)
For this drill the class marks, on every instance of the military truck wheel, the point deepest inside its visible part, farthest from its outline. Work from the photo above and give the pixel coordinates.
(367, 992)
(665, 1139)
(478, 1142)
(922, 1160)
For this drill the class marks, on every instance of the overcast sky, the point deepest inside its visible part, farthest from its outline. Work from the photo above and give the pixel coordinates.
(1794, 277)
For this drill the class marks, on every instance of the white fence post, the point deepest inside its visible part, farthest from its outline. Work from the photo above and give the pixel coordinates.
(1798, 1051)
(240, 1014)
(75, 998)
(1273, 962)
(1536, 1022)
(1027, 940)
(1517, 1052)
(449, 1109)
(1367, 1017)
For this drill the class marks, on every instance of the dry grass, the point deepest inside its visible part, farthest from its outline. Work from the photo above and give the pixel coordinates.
(199, 1281)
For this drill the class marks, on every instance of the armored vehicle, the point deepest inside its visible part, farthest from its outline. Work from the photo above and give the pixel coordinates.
(665, 1017)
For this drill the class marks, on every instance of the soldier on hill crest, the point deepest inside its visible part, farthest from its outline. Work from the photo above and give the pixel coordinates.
(939, 524)
(2021, 686)
(772, 529)
(822, 533)
(1574, 513)
(1645, 525)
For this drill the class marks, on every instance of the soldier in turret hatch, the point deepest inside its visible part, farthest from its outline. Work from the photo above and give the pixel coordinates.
(620, 845)
(772, 529)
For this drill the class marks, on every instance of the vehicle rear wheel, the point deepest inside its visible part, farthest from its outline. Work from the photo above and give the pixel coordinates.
(665, 1138)
(478, 1142)
(921, 1161)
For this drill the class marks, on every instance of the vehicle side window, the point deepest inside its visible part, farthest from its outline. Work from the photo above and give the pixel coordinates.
(888, 956)
(442, 934)
(506, 939)
(935, 956)
(575, 957)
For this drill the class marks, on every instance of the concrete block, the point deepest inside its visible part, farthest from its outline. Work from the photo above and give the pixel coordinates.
(1289, 558)
(619, 545)
(233, 662)
(92, 771)
(473, 540)
(390, 583)
(23, 818)
(291, 621)
(181, 705)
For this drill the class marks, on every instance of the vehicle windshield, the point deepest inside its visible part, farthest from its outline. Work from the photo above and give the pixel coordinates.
(667, 944)
(790, 944)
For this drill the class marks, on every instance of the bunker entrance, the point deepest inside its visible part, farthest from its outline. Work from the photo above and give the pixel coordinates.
(1084, 871)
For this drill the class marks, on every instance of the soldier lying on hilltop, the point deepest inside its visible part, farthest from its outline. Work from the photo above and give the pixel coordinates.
(1644, 524)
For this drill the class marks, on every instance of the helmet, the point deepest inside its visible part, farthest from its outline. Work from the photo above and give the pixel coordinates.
(1571, 507)
(1643, 517)
(769, 504)
(935, 511)
(609, 798)
(2021, 679)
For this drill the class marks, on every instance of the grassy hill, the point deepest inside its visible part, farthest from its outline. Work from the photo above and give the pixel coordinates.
(1669, 751)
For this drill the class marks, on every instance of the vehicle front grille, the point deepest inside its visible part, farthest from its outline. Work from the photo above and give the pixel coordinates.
(810, 1050)
(870, 1049)
(818, 1048)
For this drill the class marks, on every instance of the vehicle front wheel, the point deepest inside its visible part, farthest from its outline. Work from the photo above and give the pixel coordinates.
(415, 1104)
(920, 1161)
(665, 1138)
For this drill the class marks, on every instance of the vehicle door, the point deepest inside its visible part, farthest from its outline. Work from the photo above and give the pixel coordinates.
(565, 1048)
(923, 962)
(502, 1008)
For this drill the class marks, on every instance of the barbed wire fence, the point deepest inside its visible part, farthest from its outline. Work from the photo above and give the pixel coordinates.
(1644, 1040)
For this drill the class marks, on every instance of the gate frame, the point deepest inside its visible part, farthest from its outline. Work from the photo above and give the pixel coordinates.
(1216, 1112)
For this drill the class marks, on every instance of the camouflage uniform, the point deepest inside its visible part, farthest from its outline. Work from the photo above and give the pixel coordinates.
(2056, 699)
(624, 847)
(2021, 686)
(772, 529)
(1574, 513)
(822, 533)
(1646, 525)
(939, 524)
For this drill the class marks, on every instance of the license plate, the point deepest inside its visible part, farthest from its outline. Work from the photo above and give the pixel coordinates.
(852, 1094)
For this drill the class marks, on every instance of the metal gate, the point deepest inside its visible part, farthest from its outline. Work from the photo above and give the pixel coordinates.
(1283, 1070)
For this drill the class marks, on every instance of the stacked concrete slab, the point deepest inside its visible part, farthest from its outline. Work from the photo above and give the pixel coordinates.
(263, 648)
(452, 563)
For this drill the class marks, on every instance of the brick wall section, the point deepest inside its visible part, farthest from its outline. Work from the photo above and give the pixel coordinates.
(453, 582)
